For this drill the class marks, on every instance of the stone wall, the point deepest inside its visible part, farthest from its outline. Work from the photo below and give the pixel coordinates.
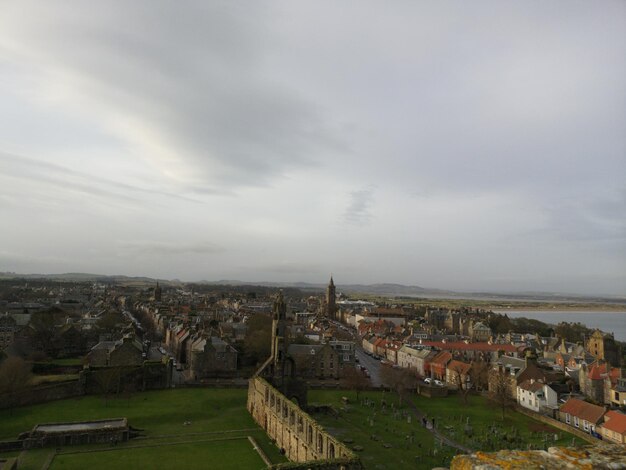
(557, 424)
(296, 433)
(45, 393)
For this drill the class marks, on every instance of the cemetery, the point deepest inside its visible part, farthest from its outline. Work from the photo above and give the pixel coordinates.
(387, 434)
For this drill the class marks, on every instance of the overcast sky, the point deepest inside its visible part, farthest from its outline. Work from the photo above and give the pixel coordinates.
(458, 145)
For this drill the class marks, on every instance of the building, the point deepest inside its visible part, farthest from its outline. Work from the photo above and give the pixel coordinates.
(209, 356)
(8, 328)
(331, 299)
(315, 361)
(618, 392)
(603, 347)
(581, 415)
(458, 374)
(125, 352)
(595, 380)
(439, 364)
(345, 352)
(90, 432)
(614, 427)
(537, 396)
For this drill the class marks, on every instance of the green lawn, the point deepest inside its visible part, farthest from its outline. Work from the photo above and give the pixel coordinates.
(162, 414)
(231, 454)
(488, 431)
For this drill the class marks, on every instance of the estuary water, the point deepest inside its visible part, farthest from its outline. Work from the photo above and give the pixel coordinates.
(609, 322)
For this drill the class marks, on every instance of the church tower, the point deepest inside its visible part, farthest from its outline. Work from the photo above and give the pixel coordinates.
(157, 292)
(331, 306)
(279, 341)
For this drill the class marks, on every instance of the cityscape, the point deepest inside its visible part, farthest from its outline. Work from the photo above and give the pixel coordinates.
(349, 380)
(312, 235)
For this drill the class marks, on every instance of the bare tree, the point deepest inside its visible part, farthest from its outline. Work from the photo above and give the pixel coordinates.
(355, 380)
(479, 373)
(462, 379)
(499, 388)
(399, 380)
(15, 380)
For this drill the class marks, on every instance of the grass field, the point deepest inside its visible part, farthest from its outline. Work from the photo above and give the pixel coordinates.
(383, 437)
(213, 414)
(216, 436)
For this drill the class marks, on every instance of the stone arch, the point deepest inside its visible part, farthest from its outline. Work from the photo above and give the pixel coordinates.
(309, 437)
(292, 418)
(300, 424)
(331, 450)
(320, 443)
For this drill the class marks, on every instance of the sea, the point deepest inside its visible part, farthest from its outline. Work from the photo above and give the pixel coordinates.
(609, 322)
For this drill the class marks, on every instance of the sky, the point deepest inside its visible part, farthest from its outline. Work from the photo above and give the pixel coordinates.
(471, 146)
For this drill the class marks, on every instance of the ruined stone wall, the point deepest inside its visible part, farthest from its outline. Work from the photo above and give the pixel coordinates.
(294, 431)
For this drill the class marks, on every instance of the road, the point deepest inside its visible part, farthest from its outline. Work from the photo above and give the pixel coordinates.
(371, 364)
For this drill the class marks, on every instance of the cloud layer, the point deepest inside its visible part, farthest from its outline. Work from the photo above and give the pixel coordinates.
(449, 145)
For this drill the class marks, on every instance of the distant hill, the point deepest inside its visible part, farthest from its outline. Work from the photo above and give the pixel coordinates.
(381, 289)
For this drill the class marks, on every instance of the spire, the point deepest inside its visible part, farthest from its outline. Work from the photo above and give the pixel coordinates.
(332, 283)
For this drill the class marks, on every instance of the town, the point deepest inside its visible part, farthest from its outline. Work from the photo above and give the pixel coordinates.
(70, 339)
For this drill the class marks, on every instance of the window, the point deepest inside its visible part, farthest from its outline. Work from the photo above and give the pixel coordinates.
(576, 422)
(567, 418)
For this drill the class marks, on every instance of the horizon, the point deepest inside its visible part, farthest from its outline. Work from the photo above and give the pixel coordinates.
(474, 147)
(317, 284)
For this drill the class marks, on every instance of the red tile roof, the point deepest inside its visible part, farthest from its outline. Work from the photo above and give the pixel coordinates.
(463, 346)
(442, 358)
(458, 366)
(615, 421)
(583, 410)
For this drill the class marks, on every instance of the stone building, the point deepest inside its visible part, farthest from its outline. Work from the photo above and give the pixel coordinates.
(8, 328)
(296, 433)
(275, 397)
(480, 332)
(315, 361)
(211, 357)
(89, 432)
(330, 301)
(125, 352)
(603, 347)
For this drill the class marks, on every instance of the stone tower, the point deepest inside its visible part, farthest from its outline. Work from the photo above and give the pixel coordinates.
(279, 340)
(331, 306)
(157, 292)
(280, 368)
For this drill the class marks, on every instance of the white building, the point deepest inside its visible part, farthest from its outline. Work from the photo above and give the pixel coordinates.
(536, 396)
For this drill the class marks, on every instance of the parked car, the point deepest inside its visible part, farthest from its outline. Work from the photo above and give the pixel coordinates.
(428, 380)
(439, 383)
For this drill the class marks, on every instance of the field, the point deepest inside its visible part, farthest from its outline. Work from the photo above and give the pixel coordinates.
(388, 440)
(208, 428)
(216, 431)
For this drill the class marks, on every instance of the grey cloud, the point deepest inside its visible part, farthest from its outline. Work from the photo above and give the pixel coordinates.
(63, 178)
(148, 247)
(358, 211)
(201, 90)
